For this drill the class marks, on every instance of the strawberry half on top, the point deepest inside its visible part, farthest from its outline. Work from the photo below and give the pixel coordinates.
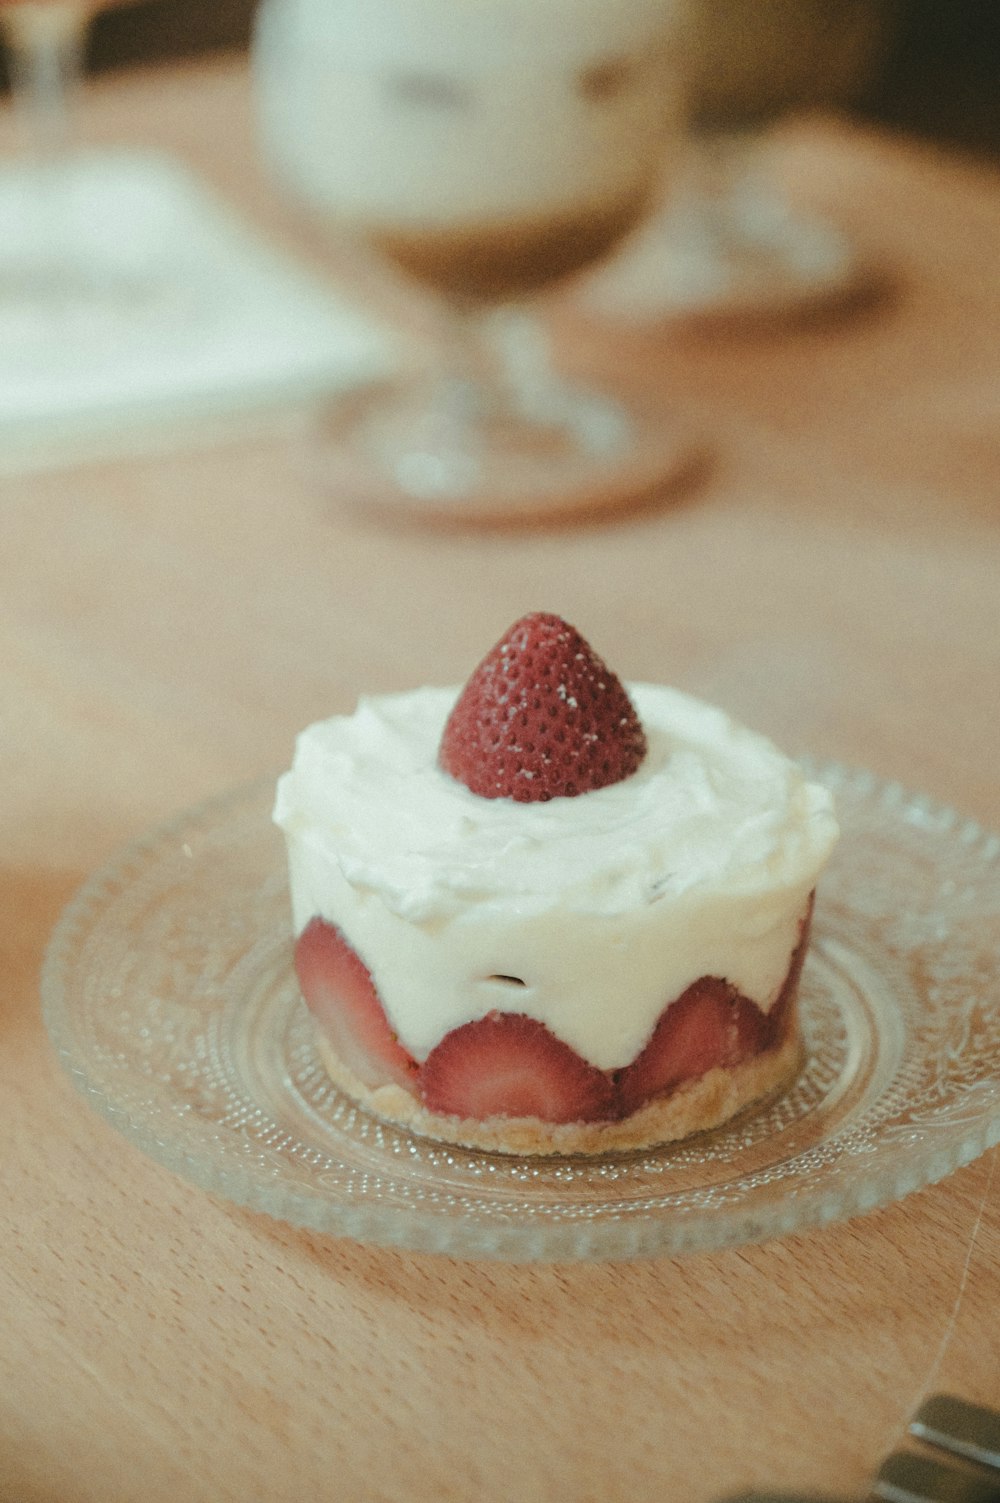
(541, 717)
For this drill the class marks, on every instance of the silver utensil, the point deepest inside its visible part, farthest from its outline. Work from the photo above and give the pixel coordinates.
(967, 1430)
(968, 1434)
(968, 1471)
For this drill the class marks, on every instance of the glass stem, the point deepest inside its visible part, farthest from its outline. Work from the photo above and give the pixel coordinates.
(470, 386)
(497, 365)
(526, 359)
(45, 40)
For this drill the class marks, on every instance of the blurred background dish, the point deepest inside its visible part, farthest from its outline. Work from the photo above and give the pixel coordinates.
(914, 64)
(729, 242)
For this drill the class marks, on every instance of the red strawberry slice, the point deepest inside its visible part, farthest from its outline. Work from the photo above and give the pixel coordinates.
(692, 1036)
(751, 1031)
(541, 717)
(510, 1065)
(341, 995)
(775, 1020)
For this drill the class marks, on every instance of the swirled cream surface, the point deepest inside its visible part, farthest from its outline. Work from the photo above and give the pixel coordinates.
(589, 913)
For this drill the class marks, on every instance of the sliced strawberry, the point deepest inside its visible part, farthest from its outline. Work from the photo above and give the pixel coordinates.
(752, 1030)
(541, 717)
(693, 1034)
(775, 1020)
(709, 1024)
(510, 1065)
(341, 995)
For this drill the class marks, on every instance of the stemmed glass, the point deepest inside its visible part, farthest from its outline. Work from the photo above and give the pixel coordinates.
(730, 241)
(735, 244)
(64, 274)
(488, 152)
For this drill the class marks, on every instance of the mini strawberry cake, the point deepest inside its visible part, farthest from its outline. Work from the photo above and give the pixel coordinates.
(546, 913)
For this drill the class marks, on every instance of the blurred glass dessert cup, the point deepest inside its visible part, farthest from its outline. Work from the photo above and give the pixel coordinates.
(487, 150)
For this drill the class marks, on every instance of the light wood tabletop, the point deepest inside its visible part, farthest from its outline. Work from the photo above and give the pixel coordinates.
(168, 623)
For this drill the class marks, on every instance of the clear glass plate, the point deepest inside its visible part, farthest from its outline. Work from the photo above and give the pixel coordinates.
(169, 994)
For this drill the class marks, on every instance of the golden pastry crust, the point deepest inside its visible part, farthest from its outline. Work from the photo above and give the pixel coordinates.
(695, 1106)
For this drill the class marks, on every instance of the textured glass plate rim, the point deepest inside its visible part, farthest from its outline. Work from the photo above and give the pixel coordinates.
(426, 1229)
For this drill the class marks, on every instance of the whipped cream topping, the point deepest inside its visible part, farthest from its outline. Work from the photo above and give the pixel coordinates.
(431, 112)
(603, 907)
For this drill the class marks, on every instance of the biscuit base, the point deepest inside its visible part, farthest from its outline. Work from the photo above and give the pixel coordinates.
(696, 1106)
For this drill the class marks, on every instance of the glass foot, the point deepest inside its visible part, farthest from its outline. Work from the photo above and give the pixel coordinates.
(387, 449)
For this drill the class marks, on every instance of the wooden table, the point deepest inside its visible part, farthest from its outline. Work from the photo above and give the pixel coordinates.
(167, 625)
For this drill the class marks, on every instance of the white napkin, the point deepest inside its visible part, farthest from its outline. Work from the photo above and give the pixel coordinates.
(217, 322)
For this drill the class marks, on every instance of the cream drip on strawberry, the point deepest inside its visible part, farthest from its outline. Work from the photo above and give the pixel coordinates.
(586, 913)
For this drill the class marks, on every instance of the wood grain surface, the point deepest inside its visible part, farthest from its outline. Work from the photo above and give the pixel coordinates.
(168, 624)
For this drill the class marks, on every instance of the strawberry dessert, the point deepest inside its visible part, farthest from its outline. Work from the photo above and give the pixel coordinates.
(548, 912)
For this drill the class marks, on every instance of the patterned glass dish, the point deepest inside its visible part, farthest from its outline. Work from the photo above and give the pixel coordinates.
(169, 995)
